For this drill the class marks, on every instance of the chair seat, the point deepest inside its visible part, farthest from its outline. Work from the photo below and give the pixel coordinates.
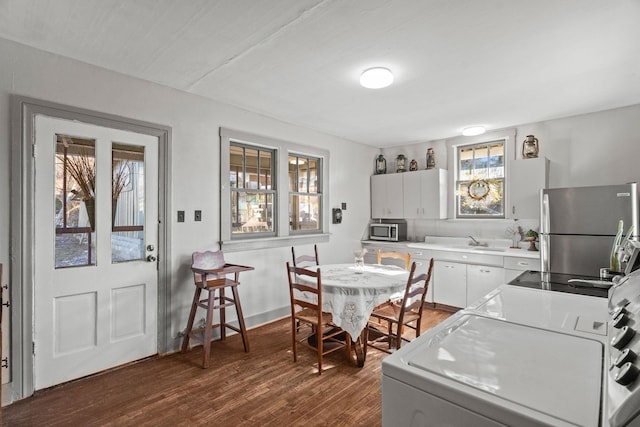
(311, 316)
(392, 312)
(217, 283)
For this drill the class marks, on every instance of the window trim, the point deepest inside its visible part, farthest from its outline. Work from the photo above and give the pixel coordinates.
(280, 178)
(457, 179)
(509, 136)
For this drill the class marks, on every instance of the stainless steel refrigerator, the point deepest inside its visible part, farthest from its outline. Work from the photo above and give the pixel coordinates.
(578, 226)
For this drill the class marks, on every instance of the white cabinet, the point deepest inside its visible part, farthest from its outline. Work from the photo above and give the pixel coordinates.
(422, 258)
(425, 194)
(387, 196)
(526, 178)
(450, 284)
(481, 280)
(514, 266)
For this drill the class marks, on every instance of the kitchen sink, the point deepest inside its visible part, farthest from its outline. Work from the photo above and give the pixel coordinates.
(484, 248)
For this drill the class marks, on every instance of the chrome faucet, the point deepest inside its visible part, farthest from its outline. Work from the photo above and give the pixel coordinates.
(474, 242)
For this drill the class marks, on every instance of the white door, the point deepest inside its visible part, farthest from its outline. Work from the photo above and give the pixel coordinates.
(96, 227)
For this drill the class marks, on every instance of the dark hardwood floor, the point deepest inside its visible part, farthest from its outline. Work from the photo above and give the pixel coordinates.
(263, 387)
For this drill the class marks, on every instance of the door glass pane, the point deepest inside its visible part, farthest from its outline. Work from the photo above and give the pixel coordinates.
(127, 203)
(75, 184)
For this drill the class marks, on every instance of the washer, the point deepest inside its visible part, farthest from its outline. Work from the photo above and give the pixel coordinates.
(518, 357)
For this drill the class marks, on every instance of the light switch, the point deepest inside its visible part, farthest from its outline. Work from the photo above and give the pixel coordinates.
(197, 216)
(180, 216)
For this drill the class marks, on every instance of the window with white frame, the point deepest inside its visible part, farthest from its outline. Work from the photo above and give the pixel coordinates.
(272, 192)
(305, 195)
(252, 190)
(480, 180)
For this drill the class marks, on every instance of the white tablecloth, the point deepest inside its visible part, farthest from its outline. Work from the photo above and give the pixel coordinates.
(351, 296)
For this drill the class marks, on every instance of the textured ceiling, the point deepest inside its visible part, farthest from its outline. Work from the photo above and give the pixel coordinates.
(497, 63)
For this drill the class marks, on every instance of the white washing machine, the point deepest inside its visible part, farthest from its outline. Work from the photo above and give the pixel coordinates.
(520, 357)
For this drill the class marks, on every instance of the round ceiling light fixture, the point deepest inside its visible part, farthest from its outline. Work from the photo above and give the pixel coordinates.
(473, 130)
(376, 78)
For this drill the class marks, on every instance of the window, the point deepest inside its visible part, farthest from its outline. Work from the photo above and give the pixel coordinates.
(305, 197)
(272, 192)
(252, 190)
(480, 180)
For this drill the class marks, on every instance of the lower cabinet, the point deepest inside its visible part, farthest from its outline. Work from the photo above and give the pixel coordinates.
(459, 285)
(450, 284)
(481, 280)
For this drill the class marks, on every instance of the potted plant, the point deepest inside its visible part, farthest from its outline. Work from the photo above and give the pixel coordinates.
(531, 236)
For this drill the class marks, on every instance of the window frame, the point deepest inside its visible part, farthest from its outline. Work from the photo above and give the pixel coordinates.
(282, 236)
(488, 140)
(318, 193)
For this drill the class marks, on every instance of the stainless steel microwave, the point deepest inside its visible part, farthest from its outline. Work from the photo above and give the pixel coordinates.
(389, 232)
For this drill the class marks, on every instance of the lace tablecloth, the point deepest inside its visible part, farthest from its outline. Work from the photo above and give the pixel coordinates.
(350, 295)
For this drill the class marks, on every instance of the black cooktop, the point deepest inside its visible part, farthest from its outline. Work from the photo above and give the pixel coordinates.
(559, 282)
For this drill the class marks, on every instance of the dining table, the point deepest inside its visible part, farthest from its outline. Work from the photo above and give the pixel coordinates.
(350, 293)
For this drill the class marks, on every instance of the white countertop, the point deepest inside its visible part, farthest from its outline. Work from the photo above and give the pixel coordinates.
(499, 247)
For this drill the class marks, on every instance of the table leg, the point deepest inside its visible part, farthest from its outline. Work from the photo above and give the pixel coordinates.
(360, 347)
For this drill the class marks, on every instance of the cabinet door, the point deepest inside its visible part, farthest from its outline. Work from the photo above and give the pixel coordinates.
(481, 280)
(387, 196)
(422, 258)
(526, 178)
(433, 185)
(412, 194)
(450, 283)
(378, 196)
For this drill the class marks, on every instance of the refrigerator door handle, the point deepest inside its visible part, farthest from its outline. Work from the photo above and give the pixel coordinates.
(544, 253)
(545, 223)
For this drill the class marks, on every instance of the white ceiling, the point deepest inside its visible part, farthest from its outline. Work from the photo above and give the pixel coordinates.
(497, 63)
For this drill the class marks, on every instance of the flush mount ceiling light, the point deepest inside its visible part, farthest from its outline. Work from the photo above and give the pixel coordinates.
(473, 130)
(376, 78)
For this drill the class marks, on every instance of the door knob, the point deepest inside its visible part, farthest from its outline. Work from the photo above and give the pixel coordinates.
(150, 248)
(151, 258)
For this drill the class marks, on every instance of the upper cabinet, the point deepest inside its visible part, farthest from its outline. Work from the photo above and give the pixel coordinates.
(387, 196)
(425, 194)
(526, 178)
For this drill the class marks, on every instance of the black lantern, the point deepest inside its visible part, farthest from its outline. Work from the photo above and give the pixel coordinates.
(401, 161)
(381, 165)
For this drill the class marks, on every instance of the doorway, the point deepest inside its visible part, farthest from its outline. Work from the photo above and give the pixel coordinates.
(94, 272)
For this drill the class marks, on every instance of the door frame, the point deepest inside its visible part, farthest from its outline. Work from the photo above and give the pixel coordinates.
(21, 250)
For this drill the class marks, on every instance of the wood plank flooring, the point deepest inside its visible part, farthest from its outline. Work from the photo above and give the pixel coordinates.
(263, 387)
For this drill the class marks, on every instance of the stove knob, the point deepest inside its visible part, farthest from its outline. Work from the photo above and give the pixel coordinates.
(627, 374)
(623, 336)
(618, 311)
(627, 355)
(620, 320)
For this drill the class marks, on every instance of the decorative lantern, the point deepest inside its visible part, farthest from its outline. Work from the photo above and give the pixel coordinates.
(431, 158)
(530, 147)
(401, 163)
(413, 165)
(381, 165)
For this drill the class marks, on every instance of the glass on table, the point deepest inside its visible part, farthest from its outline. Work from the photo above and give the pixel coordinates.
(359, 259)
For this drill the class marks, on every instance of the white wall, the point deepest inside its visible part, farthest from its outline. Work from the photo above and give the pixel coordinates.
(591, 149)
(195, 123)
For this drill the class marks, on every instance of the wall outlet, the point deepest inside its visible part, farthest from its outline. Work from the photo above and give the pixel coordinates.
(197, 216)
(344, 206)
(180, 216)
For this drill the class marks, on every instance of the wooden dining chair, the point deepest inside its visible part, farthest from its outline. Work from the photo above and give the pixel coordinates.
(324, 333)
(395, 255)
(305, 260)
(387, 321)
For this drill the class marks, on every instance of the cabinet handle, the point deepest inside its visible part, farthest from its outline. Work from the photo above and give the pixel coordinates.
(464, 257)
(448, 266)
(418, 210)
(523, 263)
(418, 253)
(422, 211)
(418, 263)
(485, 271)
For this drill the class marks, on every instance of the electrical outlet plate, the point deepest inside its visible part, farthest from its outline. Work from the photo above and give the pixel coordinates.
(197, 215)
(180, 216)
